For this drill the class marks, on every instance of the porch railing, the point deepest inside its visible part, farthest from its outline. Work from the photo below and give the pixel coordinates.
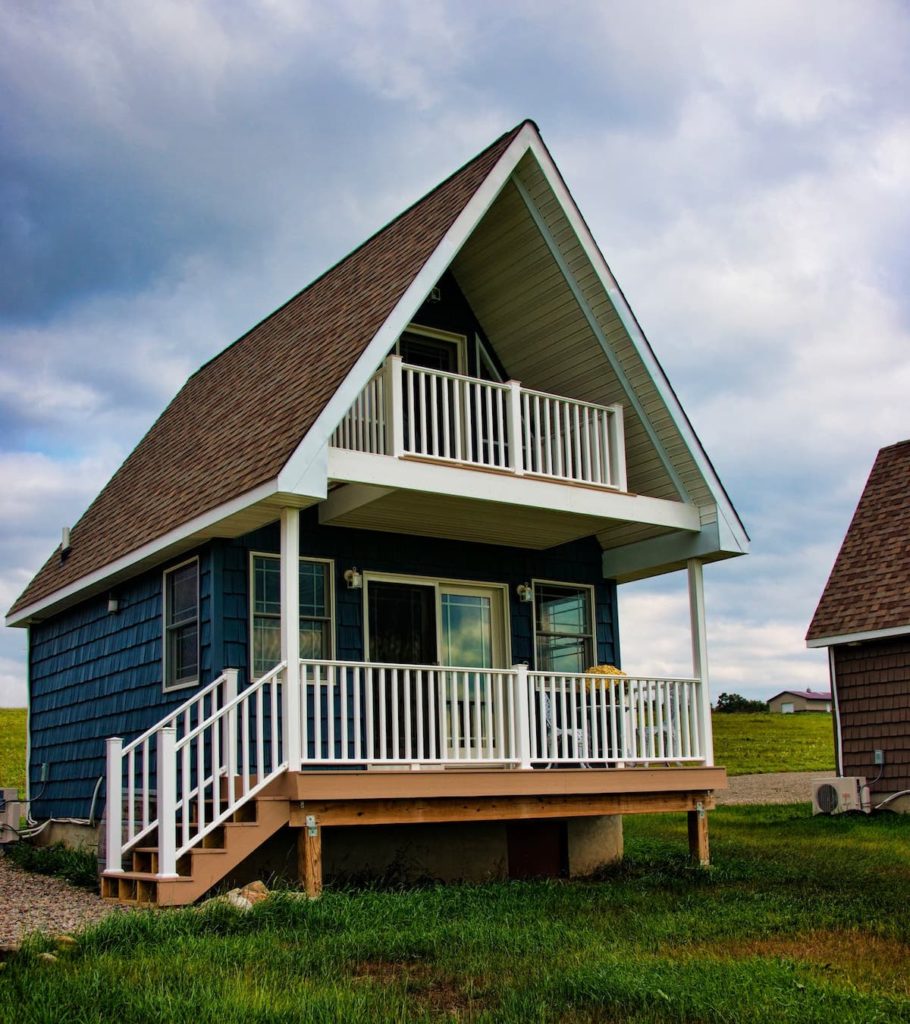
(188, 774)
(412, 411)
(360, 712)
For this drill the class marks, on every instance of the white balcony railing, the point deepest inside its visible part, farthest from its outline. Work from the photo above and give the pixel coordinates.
(413, 411)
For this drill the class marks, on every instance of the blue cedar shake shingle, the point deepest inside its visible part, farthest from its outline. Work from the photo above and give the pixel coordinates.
(201, 452)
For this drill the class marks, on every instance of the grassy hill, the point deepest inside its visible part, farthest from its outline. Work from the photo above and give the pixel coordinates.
(12, 748)
(750, 744)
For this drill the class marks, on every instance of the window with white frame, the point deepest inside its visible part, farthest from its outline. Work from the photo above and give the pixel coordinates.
(563, 627)
(315, 611)
(181, 625)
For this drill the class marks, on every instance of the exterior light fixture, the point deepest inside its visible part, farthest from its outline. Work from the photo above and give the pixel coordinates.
(525, 592)
(113, 604)
(354, 579)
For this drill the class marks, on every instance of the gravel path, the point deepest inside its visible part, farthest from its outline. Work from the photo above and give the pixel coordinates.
(773, 788)
(30, 902)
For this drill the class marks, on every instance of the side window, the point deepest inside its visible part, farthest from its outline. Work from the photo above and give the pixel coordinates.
(563, 627)
(315, 611)
(181, 625)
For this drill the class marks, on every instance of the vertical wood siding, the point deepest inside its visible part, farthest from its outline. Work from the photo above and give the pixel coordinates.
(873, 694)
(95, 674)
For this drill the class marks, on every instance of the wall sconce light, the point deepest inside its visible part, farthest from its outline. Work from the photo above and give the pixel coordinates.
(113, 604)
(525, 592)
(354, 579)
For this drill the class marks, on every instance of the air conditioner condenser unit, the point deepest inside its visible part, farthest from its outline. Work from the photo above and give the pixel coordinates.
(839, 795)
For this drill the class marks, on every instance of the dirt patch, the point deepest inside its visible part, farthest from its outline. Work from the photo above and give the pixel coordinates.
(461, 998)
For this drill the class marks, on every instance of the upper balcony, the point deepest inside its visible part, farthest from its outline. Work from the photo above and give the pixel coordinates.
(414, 412)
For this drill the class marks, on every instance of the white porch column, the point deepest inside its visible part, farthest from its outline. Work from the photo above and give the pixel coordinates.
(290, 635)
(700, 656)
(394, 407)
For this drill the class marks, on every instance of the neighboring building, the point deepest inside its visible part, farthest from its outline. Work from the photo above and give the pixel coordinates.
(790, 701)
(355, 557)
(863, 618)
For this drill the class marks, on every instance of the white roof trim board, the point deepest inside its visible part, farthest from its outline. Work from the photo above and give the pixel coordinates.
(857, 638)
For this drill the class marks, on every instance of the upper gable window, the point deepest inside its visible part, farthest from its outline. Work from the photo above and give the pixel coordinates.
(432, 349)
(181, 625)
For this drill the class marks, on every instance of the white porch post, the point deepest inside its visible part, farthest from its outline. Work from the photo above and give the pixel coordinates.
(394, 407)
(229, 735)
(114, 809)
(290, 635)
(167, 802)
(700, 656)
(516, 445)
(523, 716)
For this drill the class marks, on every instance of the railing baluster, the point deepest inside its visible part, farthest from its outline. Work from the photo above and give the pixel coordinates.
(306, 684)
(329, 717)
(245, 746)
(339, 683)
(419, 695)
(358, 722)
(406, 701)
(260, 738)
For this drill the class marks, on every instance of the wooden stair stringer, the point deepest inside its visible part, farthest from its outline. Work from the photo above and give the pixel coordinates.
(210, 866)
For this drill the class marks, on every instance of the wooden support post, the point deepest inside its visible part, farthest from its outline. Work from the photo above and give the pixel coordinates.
(309, 857)
(698, 836)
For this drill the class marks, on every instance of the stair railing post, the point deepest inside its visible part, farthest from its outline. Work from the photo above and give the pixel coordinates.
(167, 802)
(616, 437)
(229, 734)
(516, 445)
(523, 716)
(114, 808)
(394, 410)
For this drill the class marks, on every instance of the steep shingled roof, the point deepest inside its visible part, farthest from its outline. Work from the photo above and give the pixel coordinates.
(869, 586)
(231, 428)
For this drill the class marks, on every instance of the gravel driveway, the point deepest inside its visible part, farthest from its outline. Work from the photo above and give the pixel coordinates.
(773, 788)
(30, 902)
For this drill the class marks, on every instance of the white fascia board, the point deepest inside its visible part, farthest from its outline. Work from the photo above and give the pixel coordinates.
(320, 433)
(667, 553)
(147, 551)
(503, 488)
(855, 638)
(639, 341)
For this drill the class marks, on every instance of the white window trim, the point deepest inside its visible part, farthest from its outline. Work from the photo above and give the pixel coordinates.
(459, 340)
(330, 600)
(569, 585)
(164, 628)
(436, 582)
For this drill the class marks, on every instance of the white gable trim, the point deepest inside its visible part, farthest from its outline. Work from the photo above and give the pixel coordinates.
(638, 340)
(295, 469)
(856, 638)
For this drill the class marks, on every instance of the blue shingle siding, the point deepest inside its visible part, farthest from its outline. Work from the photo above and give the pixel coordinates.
(577, 562)
(95, 674)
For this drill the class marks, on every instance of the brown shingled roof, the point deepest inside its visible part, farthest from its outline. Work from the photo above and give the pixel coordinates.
(869, 586)
(232, 427)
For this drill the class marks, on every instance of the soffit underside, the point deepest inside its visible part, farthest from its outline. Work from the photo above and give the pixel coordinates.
(539, 331)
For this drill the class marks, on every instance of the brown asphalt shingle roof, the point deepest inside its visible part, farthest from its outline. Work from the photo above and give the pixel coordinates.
(240, 417)
(869, 586)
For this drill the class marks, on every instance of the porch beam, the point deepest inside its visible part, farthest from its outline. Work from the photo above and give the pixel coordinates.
(452, 480)
(290, 635)
(700, 655)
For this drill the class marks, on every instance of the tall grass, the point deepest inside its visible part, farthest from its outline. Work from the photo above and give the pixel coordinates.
(12, 748)
(747, 744)
(800, 920)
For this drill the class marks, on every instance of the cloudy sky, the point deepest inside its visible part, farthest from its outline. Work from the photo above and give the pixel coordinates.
(172, 171)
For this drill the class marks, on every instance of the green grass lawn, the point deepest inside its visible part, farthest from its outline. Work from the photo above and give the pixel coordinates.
(746, 744)
(801, 919)
(12, 748)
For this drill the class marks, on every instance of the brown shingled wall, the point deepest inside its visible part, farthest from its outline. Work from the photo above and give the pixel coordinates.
(873, 692)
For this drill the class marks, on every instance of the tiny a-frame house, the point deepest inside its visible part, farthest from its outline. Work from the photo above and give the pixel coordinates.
(362, 571)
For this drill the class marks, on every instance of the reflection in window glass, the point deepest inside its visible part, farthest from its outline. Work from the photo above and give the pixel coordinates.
(315, 614)
(181, 625)
(565, 636)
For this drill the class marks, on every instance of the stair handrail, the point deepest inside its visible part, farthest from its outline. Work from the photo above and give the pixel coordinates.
(173, 716)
